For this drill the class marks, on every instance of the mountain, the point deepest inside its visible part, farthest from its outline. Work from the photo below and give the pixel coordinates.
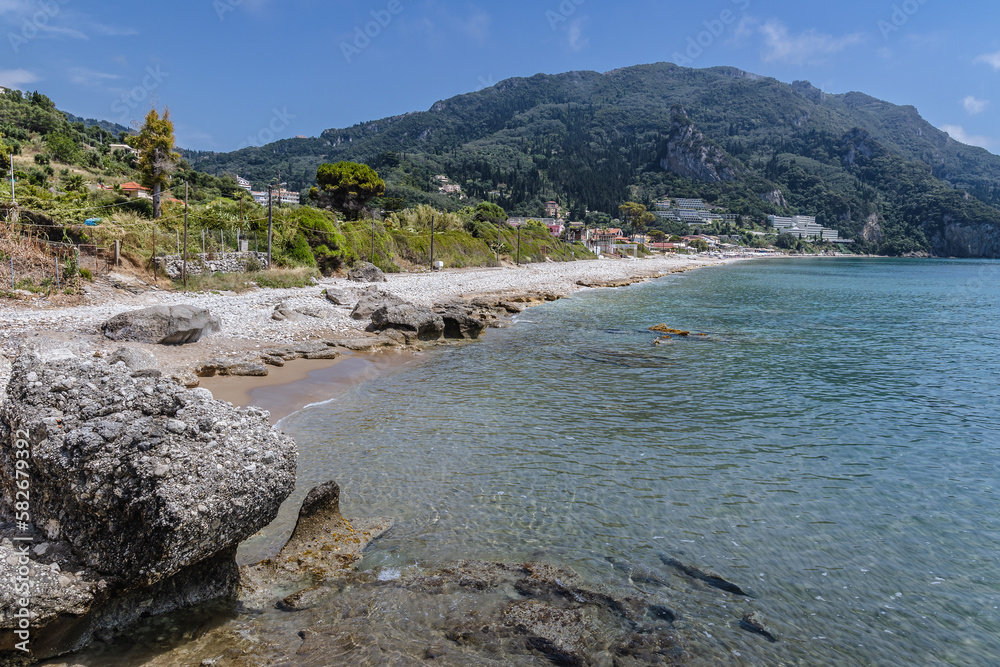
(877, 172)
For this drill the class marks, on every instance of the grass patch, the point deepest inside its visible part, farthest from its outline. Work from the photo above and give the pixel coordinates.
(243, 282)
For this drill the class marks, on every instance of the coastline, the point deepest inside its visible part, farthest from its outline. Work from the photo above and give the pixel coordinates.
(250, 329)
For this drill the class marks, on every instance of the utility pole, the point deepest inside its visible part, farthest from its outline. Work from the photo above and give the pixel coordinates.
(184, 269)
(373, 238)
(270, 225)
(519, 245)
(432, 241)
(498, 241)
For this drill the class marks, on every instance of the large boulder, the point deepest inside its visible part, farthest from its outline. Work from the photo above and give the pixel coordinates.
(420, 321)
(135, 358)
(371, 300)
(140, 492)
(366, 272)
(162, 325)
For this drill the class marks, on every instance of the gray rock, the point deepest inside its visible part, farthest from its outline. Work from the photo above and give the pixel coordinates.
(366, 273)
(136, 359)
(423, 322)
(301, 312)
(246, 369)
(162, 325)
(144, 487)
(337, 296)
(459, 322)
(371, 300)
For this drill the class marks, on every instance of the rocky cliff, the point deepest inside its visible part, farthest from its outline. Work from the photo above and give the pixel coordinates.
(690, 154)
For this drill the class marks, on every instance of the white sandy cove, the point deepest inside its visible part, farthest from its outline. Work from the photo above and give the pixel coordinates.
(247, 318)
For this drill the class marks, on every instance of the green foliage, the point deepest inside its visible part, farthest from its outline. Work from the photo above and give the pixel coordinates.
(62, 147)
(346, 187)
(155, 143)
(74, 183)
(786, 241)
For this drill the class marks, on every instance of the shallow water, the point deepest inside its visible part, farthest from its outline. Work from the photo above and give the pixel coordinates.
(830, 445)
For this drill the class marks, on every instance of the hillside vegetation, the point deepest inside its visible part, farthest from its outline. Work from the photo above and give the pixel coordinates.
(592, 141)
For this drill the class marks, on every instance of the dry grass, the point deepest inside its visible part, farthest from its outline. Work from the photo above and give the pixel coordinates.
(242, 282)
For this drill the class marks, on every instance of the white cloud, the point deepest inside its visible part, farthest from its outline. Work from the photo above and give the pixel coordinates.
(476, 27)
(958, 133)
(808, 46)
(991, 59)
(974, 106)
(15, 78)
(84, 76)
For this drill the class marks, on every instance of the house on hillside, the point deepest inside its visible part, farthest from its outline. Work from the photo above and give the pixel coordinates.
(553, 210)
(133, 190)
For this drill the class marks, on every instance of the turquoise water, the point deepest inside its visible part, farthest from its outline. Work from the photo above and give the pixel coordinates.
(831, 445)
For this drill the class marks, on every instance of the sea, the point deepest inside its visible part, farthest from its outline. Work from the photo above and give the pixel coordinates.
(826, 437)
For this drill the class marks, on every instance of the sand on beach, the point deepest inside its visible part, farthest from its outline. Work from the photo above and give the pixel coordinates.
(304, 382)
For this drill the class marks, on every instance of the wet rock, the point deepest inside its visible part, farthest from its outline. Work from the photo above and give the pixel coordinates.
(162, 325)
(323, 545)
(460, 322)
(558, 633)
(756, 623)
(365, 344)
(142, 489)
(707, 576)
(366, 273)
(418, 320)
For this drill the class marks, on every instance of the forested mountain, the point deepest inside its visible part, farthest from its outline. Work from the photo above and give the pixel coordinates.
(877, 172)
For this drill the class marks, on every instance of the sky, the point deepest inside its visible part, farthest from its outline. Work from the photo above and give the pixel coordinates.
(245, 72)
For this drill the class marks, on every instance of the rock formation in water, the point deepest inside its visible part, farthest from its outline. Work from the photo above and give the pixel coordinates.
(122, 496)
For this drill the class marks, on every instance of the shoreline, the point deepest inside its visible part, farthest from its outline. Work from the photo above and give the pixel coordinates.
(251, 328)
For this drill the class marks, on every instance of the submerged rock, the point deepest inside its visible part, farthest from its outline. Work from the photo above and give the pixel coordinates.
(141, 489)
(756, 623)
(162, 325)
(707, 576)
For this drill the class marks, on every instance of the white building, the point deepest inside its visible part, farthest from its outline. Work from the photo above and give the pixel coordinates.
(244, 183)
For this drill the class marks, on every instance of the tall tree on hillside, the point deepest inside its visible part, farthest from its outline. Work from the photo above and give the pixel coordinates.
(637, 216)
(346, 187)
(155, 143)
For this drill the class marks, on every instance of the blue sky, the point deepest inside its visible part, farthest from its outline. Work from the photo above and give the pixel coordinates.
(239, 72)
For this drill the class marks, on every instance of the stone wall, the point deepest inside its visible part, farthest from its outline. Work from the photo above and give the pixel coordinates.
(229, 262)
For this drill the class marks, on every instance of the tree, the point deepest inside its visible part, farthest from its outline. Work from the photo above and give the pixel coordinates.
(657, 236)
(636, 215)
(786, 241)
(155, 143)
(74, 183)
(489, 212)
(346, 187)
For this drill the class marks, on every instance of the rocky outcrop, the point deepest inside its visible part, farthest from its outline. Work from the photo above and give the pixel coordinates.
(140, 492)
(295, 311)
(135, 358)
(162, 325)
(419, 321)
(371, 300)
(366, 273)
(323, 545)
(872, 231)
(966, 239)
(460, 322)
(691, 155)
(775, 197)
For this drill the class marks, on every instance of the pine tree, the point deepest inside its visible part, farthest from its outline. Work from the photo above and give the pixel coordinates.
(155, 143)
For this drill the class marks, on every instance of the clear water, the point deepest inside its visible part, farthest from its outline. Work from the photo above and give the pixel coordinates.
(832, 444)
